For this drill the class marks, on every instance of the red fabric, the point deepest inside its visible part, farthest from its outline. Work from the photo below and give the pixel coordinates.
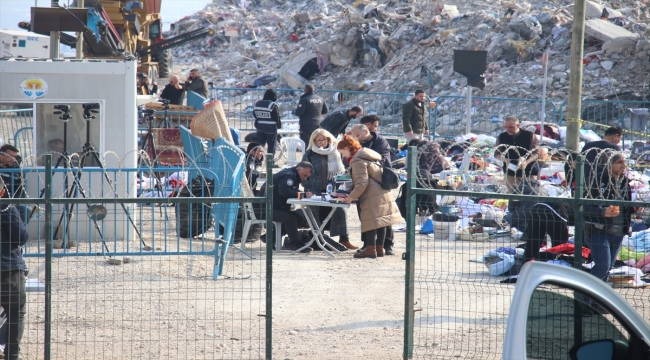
(549, 132)
(568, 249)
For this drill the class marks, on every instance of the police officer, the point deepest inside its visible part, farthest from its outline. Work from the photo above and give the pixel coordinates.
(285, 187)
(310, 111)
(267, 120)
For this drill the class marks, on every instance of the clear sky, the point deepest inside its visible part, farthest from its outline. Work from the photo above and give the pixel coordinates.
(14, 11)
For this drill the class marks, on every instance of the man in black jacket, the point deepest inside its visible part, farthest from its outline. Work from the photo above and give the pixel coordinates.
(267, 120)
(414, 117)
(337, 121)
(594, 149)
(372, 140)
(310, 111)
(13, 299)
(285, 186)
(173, 91)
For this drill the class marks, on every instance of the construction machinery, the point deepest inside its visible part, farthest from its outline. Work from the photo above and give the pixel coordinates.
(115, 29)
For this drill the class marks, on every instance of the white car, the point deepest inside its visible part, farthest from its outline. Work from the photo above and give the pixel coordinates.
(562, 313)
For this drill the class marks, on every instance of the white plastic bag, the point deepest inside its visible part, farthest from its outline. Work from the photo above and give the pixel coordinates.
(498, 263)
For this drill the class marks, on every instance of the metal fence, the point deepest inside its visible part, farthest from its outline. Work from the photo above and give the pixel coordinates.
(124, 282)
(13, 120)
(455, 307)
(450, 117)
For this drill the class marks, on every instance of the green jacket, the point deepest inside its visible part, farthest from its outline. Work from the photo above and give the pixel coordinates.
(414, 117)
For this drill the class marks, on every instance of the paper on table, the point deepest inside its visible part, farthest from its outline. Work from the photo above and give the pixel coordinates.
(319, 198)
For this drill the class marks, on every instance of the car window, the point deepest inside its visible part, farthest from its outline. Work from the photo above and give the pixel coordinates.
(553, 319)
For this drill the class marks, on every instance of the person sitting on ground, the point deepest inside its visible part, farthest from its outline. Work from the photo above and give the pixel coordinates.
(254, 157)
(326, 160)
(431, 158)
(336, 122)
(285, 186)
(377, 207)
(173, 91)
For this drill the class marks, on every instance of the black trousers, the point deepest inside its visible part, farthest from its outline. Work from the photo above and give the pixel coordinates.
(376, 237)
(268, 139)
(305, 133)
(543, 221)
(14, 301)
(388, 236)
(291, 222)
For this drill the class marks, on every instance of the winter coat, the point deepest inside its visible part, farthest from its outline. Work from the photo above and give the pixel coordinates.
(414, 117)
(310, 111)
(336, 122)
(377, 207)
(338, 225)
(13, 235)
(608, 189)
(381, 146)
(197, 85)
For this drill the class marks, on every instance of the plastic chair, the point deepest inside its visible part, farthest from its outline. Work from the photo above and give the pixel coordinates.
(195, 100)
(290, 145)
(247, 227)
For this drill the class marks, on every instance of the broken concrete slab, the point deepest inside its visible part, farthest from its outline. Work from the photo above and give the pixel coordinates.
(595, 10)
(604, 30)
(620, 45)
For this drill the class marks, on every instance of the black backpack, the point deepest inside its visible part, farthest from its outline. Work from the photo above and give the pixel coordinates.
(194, 219)
(389, 178)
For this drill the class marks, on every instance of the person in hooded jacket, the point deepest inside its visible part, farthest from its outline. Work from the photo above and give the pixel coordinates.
(310, 111)
(377, 207)
(267, 120)
(605, 226)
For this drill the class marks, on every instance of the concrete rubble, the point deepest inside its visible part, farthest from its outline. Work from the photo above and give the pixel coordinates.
(399, 46)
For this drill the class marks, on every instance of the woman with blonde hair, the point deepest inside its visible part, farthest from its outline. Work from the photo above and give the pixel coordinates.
(322, 154)
(377, 207)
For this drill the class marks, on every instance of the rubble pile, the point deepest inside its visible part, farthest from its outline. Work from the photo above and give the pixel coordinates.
(399, 46)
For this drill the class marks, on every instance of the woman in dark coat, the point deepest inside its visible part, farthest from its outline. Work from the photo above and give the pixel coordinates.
(322, 154)
(254, 157)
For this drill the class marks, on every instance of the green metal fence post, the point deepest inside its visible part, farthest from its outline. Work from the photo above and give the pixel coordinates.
(270, 240)
(578, 238)
(410, 254)
(577, 210)
(48, 257)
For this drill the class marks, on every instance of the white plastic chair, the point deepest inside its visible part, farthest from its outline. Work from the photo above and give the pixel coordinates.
(252, 219)
(290, 145)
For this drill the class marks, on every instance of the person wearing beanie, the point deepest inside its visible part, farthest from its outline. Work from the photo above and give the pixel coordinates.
(267, 120)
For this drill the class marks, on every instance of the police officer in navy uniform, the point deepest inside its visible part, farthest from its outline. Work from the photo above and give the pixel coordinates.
(267, 120)
(310, 111)
(285, 186)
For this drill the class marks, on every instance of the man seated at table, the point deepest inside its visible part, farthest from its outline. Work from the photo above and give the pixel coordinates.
(285, 186)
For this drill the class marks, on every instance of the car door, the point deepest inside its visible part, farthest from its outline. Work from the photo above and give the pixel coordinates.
(562, 313)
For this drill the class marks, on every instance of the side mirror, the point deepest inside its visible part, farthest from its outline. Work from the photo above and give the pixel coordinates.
(599, 349)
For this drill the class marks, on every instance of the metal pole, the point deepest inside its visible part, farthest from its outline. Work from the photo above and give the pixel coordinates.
(575, 78)
(54, 38)
(48, 257)
(270, 240)
(409, 291)
(469, 109)
(543, 114)
(578, 238)
(80, 35)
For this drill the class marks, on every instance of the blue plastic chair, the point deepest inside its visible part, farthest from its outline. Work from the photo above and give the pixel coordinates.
(227, 162)
(195, 100)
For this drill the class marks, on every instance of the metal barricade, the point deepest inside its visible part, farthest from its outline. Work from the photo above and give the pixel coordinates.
(487, 114)
(13, 120)
(386, 105)
(238, 104)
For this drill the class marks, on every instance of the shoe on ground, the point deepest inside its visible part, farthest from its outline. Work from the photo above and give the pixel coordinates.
(362, 249)
(389, 251)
